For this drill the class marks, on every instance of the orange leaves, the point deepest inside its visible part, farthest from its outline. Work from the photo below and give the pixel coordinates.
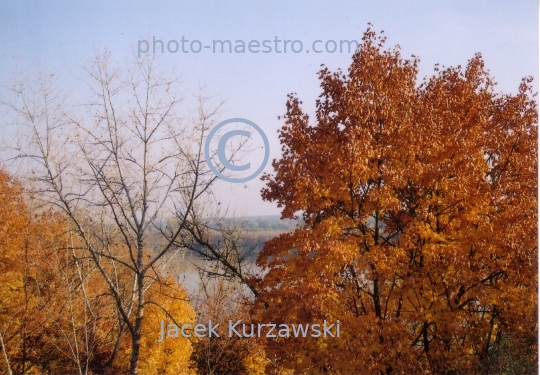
(56, 312)
(421, 217)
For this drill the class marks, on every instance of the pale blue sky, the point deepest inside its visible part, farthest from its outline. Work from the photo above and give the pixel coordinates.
(60, 36)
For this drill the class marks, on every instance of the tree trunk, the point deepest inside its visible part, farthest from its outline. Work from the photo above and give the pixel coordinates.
(135, 348)
(137, 328)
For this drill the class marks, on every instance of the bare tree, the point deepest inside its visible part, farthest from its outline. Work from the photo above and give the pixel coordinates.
(222, 250)
(126, 166)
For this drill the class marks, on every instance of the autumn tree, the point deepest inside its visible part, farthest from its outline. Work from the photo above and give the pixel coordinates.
(12, 223)
(56, 315)
(419, 202)
(126, 165)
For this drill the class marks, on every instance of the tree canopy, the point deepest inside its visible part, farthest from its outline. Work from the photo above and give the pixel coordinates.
(419, 203)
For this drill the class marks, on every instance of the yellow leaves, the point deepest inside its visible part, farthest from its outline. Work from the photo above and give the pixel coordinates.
(171, 356)
(255, 363)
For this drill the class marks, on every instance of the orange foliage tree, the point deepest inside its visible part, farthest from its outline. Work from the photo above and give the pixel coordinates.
(56, 312)
(420, 209)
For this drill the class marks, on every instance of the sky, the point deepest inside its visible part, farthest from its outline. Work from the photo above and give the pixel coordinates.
(61, 37)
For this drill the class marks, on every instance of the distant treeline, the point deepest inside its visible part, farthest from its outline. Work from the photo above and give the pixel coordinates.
(269, 223)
